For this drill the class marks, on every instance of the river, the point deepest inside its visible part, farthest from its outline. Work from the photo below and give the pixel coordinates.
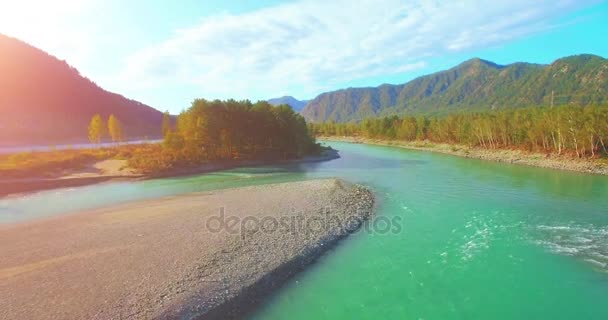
(477, 240)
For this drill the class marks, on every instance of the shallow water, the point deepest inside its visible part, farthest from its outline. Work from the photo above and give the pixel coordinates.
(477, 240)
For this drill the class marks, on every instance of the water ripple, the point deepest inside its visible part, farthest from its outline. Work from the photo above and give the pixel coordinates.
(586, 242)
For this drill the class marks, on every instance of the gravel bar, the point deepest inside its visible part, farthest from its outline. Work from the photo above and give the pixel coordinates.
(174, 258)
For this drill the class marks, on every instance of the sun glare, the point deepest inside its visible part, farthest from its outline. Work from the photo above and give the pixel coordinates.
(30, 19)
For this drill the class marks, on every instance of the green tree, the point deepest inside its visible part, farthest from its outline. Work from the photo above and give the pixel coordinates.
(115, 129)
(97, 129)
(575, 130)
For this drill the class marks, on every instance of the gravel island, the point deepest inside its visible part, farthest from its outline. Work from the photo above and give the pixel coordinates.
(211, 255)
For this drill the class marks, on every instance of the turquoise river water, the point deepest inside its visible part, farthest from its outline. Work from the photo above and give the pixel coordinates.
(478, 240)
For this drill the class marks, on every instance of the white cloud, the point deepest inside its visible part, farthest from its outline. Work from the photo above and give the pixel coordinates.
(299, 48)
(310, 45)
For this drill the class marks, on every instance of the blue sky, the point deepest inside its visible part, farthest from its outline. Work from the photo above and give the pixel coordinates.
(166, 54)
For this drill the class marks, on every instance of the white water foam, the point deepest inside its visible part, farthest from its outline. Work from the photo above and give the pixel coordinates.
(586, 242)
(472, 239)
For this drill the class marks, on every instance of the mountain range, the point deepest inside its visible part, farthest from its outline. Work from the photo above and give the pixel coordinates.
(295, 104)
(473, 85)
(43, 100)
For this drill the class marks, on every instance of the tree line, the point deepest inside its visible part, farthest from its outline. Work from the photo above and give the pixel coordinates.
(581, 131)
(229, 130)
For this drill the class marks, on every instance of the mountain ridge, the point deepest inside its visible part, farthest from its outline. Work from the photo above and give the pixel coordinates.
(44, 100)
(474, 84)
(295, 104)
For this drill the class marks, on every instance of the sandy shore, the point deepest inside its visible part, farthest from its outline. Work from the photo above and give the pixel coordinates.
(117, 170)
(499, 155)
(164, 258)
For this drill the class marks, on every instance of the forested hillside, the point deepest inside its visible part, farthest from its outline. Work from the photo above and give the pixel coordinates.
(474, 85)
(43, 100)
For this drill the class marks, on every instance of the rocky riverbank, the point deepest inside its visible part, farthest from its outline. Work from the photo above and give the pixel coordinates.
(553, 161)
(117, 170)
(212, 255)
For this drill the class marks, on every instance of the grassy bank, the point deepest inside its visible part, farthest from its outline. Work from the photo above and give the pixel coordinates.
(27, 172)
(512, 156)
(52, 164)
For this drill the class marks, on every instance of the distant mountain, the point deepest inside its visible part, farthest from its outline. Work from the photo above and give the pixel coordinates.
(475, 84)
(295, 104)
(43, 100)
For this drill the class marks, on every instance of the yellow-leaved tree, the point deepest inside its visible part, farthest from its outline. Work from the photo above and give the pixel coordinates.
(166, 123)
(96, 129)
(115, 129)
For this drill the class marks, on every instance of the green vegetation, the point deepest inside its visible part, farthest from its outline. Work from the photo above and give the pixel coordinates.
(580, 131)
(229, 130)
(209, 131)
(475, 85)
